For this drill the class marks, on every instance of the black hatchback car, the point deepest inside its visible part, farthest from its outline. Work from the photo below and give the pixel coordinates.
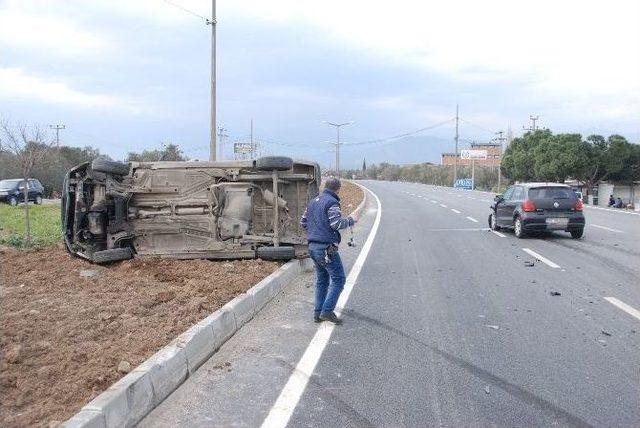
(538, 207)
(12, 191)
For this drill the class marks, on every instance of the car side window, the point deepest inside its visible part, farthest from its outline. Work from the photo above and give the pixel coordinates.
(32, 184)
(507, 195)
(518, 194)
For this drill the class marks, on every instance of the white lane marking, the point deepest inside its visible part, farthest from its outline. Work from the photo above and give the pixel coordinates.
(610, 229)
(485, 200)
(472, 219)
(616, 210)
(455, 211)
(434, 202)
(621, 305)
(541, 258)
(443, 205)
(502, 235)
(288, 399)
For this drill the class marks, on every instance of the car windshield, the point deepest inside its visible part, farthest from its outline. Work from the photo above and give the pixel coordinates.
(551, 192)
(8, 184)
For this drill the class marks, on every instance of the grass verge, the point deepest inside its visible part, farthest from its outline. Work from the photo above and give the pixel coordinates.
(45, 225)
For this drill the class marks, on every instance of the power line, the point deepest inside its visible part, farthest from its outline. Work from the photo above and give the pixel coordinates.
(190, 12)
(478, 126)
(395, 137)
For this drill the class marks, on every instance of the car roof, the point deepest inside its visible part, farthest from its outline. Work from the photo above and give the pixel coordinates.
(543, 184)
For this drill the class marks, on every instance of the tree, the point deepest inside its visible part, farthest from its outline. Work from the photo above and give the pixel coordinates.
(28, 145)
(518, 162)
(559, 157)
(169, 152)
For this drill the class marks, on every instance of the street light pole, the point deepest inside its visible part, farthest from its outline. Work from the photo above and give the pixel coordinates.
(212, 134)
(337, 126)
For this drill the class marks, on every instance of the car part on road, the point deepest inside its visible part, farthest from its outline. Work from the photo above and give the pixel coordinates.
(209, 210)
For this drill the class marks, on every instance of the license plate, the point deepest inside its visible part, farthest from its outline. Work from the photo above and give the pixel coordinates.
(557, 221)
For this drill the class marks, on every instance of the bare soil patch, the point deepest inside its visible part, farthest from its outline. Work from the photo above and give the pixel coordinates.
(350, 197)
(67, 324)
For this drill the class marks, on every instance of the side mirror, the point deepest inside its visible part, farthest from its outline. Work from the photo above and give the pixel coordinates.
(498, 198)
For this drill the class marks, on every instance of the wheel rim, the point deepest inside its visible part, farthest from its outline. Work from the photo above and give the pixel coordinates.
(38, 200)
(518, 227)
(493, 221)
(14, 202)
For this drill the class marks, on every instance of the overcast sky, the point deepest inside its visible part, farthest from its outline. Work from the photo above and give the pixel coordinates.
(126, 75)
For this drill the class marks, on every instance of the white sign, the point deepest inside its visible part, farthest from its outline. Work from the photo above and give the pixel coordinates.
(242, 148)
(473, 154)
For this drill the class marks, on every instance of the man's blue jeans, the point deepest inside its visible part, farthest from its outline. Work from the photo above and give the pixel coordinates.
(330, 280)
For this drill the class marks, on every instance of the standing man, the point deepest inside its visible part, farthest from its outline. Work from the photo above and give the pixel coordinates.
(322, 220)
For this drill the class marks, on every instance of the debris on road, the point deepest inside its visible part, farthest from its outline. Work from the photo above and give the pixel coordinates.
(606, 333)
(555, 293)
(528, 263)
(487, 390)
(494, 327)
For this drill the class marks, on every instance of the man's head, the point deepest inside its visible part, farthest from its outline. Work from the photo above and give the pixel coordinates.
(333, 184)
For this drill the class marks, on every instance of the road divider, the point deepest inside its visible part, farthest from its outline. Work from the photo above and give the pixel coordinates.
(541, 258)
(621, 305)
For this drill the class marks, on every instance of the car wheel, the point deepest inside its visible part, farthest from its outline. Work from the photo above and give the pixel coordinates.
(13, 201)
(38, 200)
(493, 222)
(110, 167)
(518, 229)
(576, 234)
(278, 163)
(112, 255)
(276, 253)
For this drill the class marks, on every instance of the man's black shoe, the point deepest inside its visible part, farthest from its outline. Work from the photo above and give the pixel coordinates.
(316, 318)
(331, 317)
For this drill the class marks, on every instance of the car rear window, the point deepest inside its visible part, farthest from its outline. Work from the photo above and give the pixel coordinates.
(551, 193)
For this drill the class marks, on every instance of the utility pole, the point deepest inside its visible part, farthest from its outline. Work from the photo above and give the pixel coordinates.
(337, 126)
(533, 126)
(221, 136)
(213, 23)
(57, 128)
(253, 147)
(500, 140)
(455, 161)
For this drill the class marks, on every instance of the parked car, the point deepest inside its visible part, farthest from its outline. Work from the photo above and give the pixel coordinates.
(538, 207)
(12, 191)
(211, 210)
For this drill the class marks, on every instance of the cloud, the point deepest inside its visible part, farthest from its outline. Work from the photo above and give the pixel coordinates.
(25, 28)
(15, 83)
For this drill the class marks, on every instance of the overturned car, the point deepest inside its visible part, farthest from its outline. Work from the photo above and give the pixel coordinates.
(210, 210)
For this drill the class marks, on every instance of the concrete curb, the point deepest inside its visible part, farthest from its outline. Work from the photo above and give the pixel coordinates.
(131, 398)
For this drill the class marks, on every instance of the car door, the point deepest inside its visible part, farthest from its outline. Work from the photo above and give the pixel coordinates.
(33, 190)
(21, 189)
(503, 216)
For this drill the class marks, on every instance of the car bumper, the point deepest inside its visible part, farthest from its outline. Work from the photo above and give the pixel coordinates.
(536, 223)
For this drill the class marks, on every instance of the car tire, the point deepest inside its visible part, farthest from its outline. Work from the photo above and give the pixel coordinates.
(110, 167)
(493, 222)
(518, 230)
(577, 233)
(277, 163)
(38, 200)
(276, 253)
(13, 201)
(113, 255)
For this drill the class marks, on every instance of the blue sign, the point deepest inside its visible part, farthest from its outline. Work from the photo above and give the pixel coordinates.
(464, 183)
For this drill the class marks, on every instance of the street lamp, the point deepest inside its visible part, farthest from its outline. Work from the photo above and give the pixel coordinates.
(337, 126)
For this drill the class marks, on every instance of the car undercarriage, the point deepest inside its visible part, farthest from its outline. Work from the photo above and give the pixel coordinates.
(210, 210)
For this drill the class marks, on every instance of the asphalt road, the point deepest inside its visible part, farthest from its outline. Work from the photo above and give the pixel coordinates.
(448, 324)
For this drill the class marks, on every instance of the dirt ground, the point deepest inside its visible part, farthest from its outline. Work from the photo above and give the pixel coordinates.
(64, 335)
(350, 197)
(67, 325)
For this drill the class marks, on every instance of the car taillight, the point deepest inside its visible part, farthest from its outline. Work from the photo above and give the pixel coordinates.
(579, 205)
(528, 206)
